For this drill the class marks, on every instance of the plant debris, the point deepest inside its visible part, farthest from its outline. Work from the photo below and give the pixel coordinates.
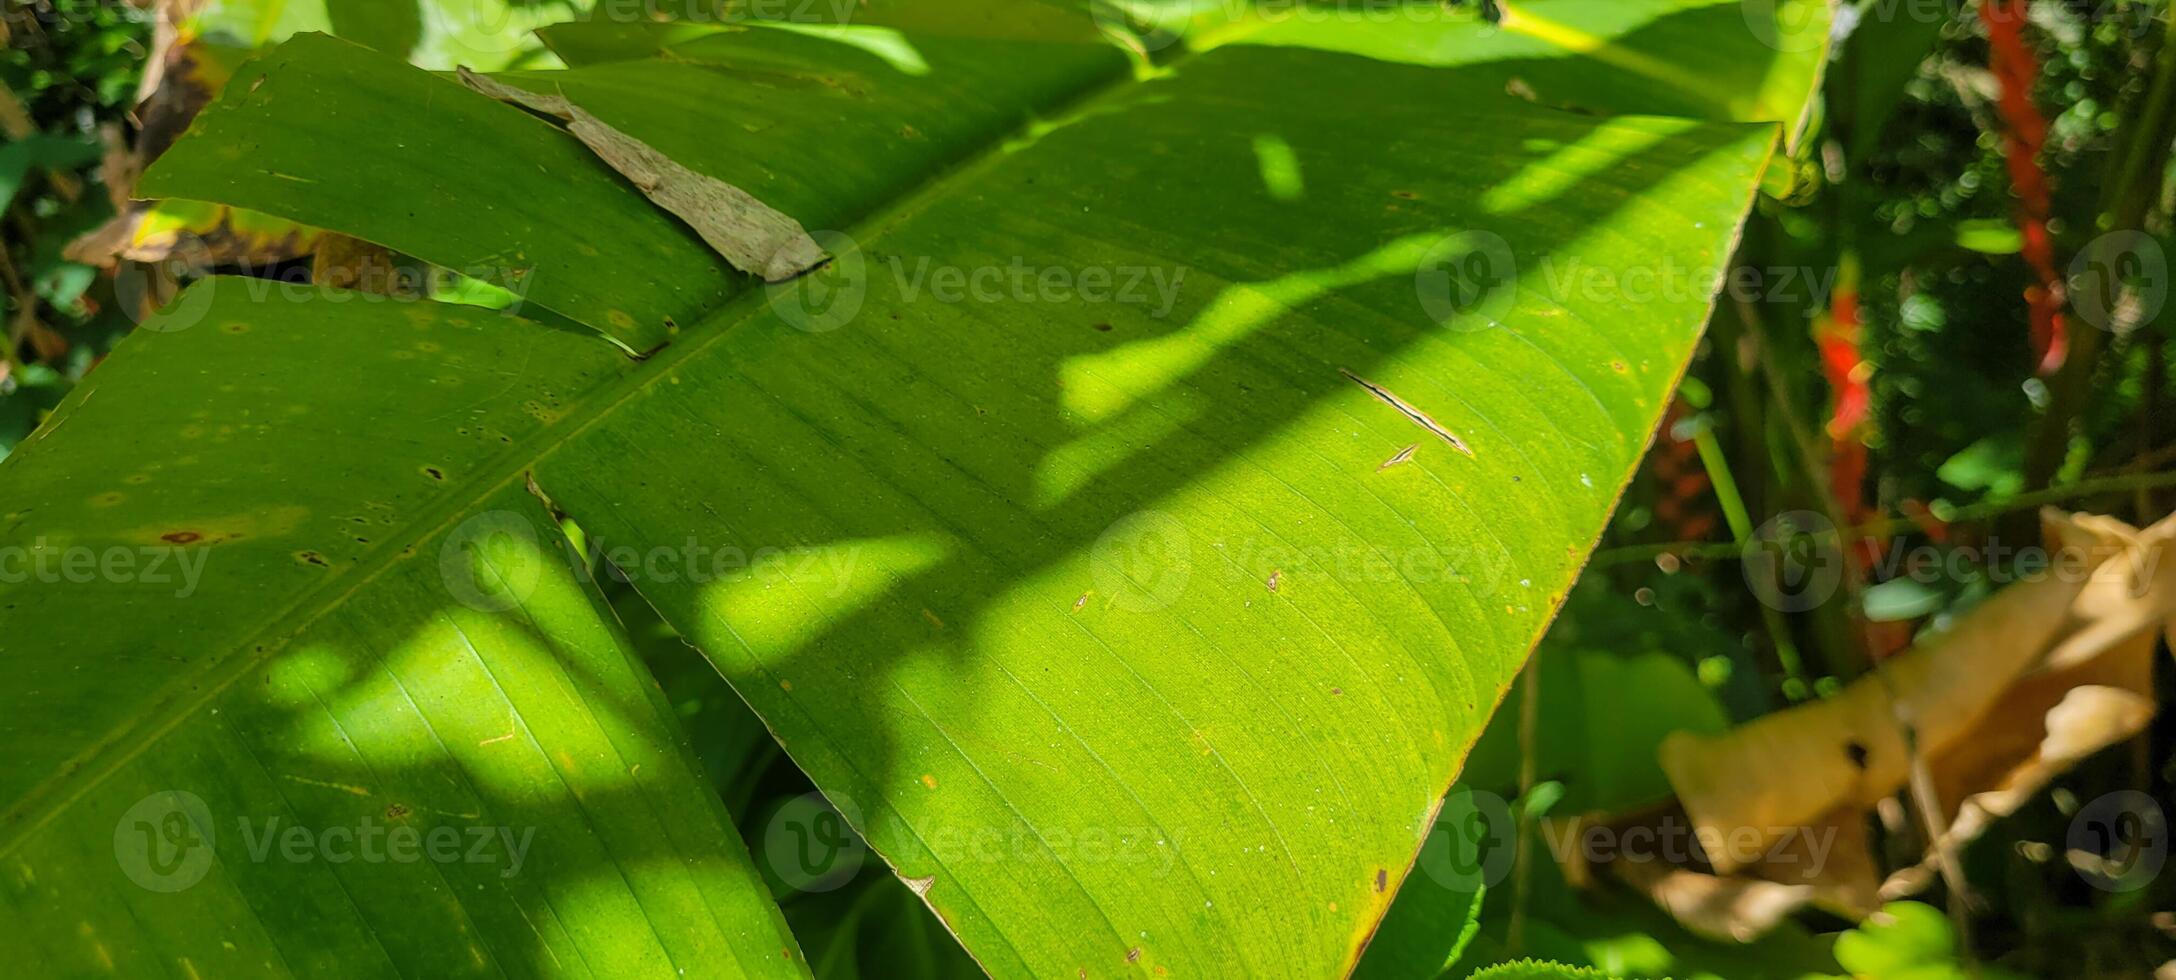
(750, 234)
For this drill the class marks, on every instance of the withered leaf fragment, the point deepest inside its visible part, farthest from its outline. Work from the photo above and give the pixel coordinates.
(753, 236)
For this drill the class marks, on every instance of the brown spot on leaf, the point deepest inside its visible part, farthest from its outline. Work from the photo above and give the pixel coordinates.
(181, 537)
(1275, 576)
(1400, 457)
(1133, 955)
(395, 811)
(1382, 879)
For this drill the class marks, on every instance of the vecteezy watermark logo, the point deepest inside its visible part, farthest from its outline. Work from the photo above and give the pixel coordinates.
(1148, 25)
(153, 294)
(831, 295)
(1473, 843)
(826, 297)
(1793, 562)
(810, 843)
(1154, 287)
(488, 563)
(719, 11)
(1783, 850)
(2118, 279)
(1789, 26)
(1152, 25)
(1270, 562)
(373, 841)
(166, 843)
(1147, 846)
(1143, 562)
(1467, 280)
(2119, 841)
(175, 292)
(177, 565)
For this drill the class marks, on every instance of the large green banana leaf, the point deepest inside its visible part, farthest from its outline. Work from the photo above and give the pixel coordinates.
(1137, 599)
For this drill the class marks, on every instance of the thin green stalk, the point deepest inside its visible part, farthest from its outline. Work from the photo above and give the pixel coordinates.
(1795, 686)
(1529, 754)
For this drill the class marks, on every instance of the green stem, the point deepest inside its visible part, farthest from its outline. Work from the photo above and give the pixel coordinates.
(1741, 531)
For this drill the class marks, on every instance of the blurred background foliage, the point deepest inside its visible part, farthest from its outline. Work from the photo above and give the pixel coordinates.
(1880, 367)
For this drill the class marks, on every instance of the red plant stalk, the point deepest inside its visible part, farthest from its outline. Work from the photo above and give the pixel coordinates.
(1837, 335)
(2015, 70)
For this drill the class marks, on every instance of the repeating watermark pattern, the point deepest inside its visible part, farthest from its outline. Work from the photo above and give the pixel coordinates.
(1470, 280)
(370, 841)
(2119, 279)
(1796, 562)
(722, 11)
(1467, 280)
(1145, 562)
(832, 295)
(1142, 562)
(1475, 841)
(1792, 562)
(1154, 288)
(2119, 841)
(1145, 847)
(168, 841)
(1794, 26)
(1473, 844)
(810, 844)
(175, 565)
(1155, 25)
(482, 561)
(1780, 850)
(829, 296)
(172, 294)
(493, 561)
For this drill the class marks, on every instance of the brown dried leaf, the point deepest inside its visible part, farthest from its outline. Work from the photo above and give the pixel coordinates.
(343, 262)
(2040, 676)
(750, 234)
(1789, 768)
(180, 79)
